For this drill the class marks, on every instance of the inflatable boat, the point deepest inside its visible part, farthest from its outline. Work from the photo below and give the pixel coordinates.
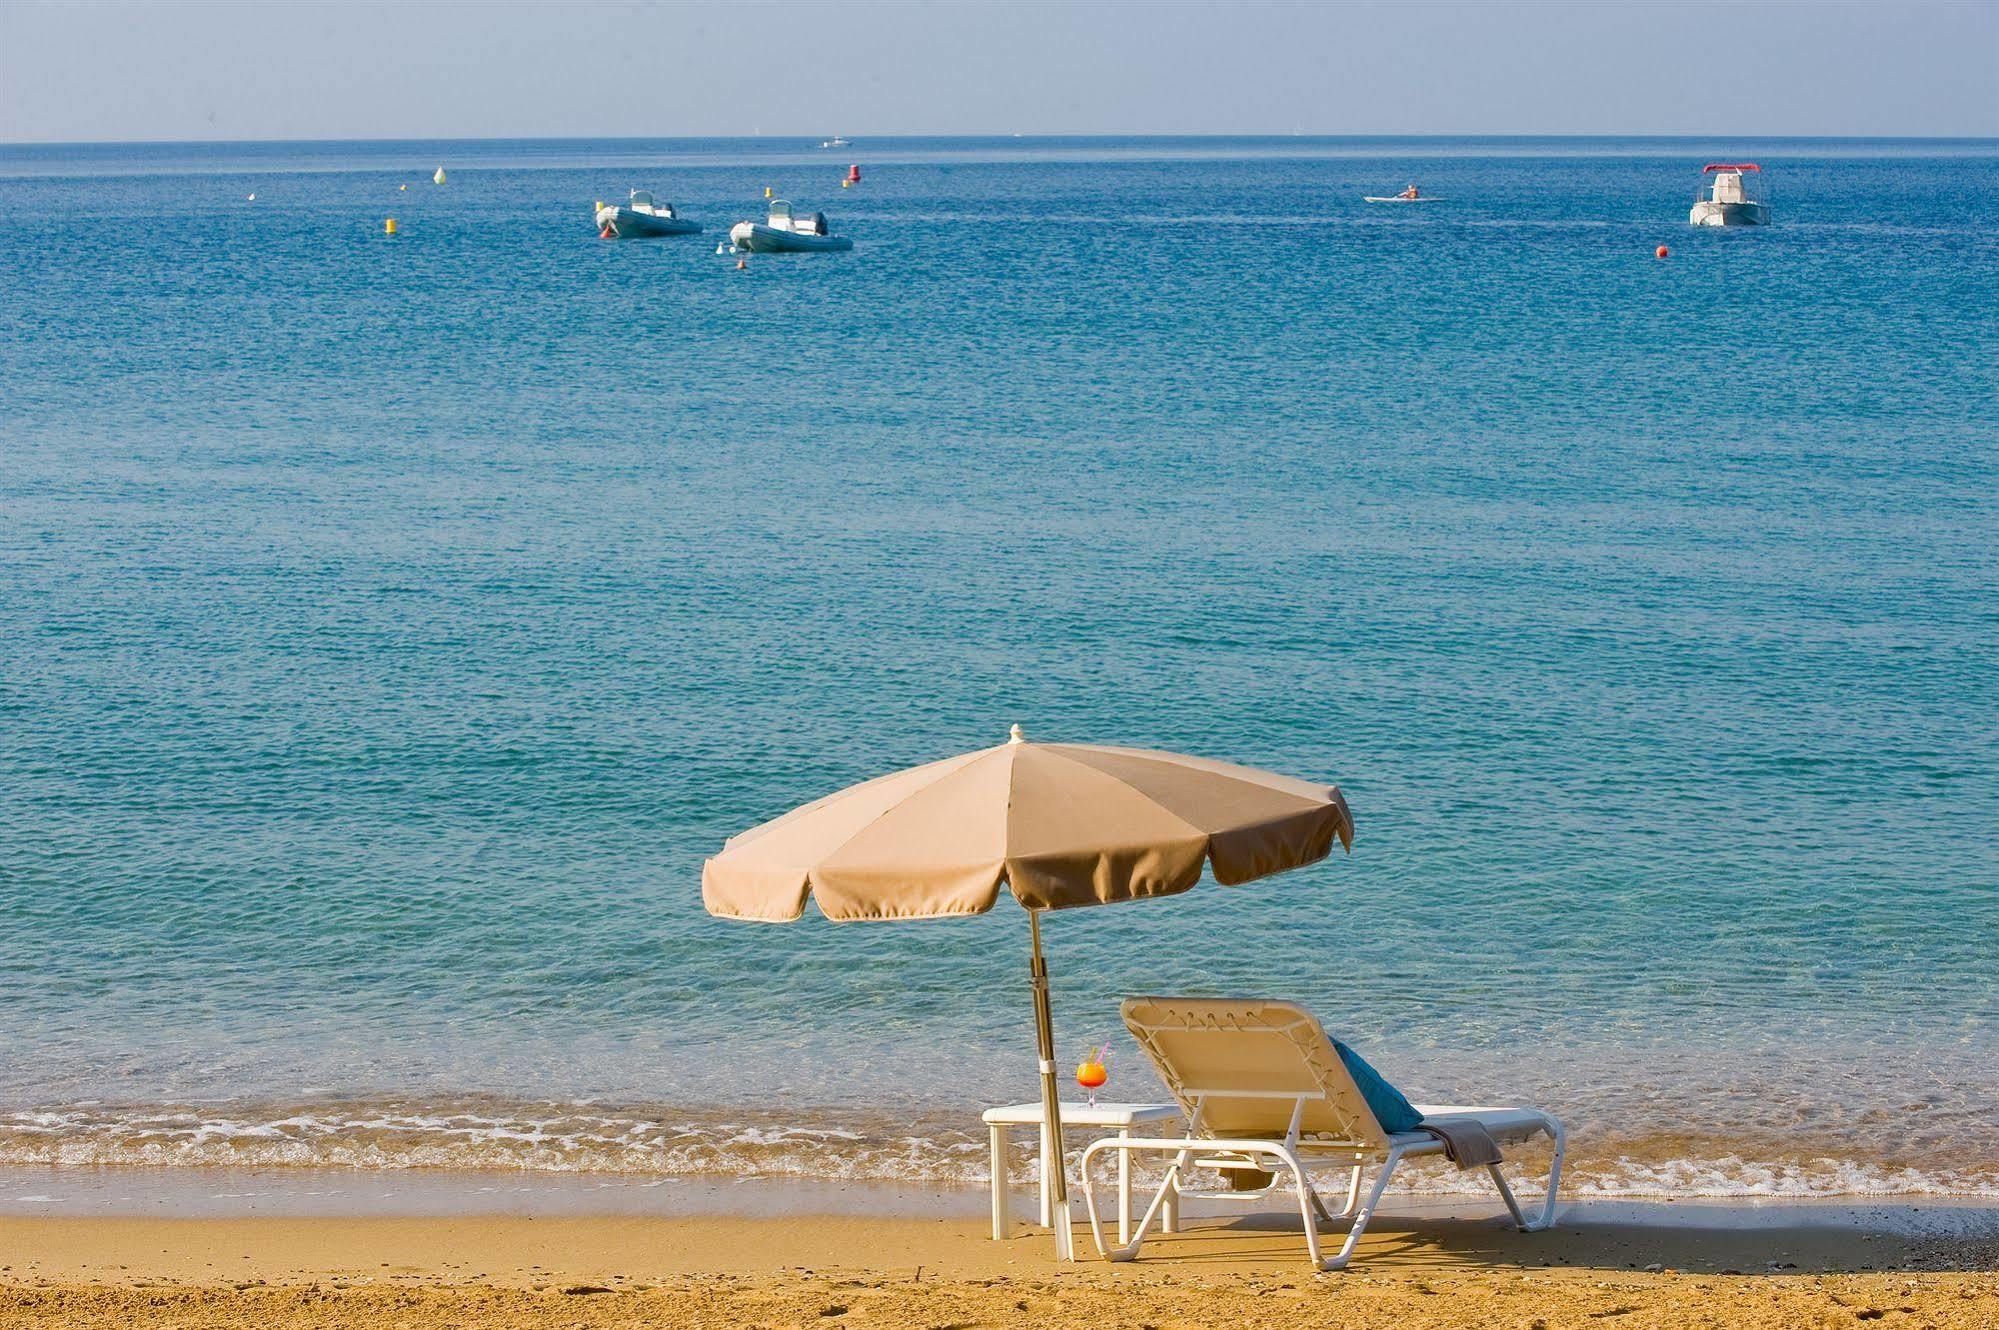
(642, 217)
(784, 232)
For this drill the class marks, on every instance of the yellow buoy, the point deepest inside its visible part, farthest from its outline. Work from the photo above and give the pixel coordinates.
(389, 227)
(766, 191)
(439, 177)
(404, 188)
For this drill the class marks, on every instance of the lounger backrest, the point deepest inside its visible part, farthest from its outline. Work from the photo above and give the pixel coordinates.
(1245, 1063)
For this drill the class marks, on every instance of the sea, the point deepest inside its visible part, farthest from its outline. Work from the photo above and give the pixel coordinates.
(391, 625)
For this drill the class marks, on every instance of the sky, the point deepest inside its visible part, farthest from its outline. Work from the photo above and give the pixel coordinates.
(77, 70)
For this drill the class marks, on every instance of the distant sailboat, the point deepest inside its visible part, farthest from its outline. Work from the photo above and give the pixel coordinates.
(439, 177)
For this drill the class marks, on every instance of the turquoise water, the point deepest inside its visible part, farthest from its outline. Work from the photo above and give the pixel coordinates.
(393, 626)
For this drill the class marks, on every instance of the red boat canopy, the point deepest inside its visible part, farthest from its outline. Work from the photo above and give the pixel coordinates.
(1730, 166)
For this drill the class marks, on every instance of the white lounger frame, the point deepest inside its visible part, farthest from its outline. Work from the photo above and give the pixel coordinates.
(1292, 1158)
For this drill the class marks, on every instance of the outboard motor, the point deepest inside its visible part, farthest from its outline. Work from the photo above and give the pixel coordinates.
(818, 221)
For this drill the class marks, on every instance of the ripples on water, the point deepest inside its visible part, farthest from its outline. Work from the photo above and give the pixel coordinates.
(394, 626)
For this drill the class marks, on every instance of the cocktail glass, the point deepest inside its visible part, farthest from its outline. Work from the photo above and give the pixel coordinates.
(1094, 1072)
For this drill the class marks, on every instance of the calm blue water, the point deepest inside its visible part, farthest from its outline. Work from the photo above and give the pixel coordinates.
(393, 626)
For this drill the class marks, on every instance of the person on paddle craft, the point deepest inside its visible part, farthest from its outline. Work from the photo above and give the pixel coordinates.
(1408, 193)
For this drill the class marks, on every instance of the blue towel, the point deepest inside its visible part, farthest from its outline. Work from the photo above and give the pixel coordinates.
(1394, 1112)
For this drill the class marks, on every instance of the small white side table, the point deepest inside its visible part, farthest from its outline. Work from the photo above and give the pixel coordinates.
(1123, 1117)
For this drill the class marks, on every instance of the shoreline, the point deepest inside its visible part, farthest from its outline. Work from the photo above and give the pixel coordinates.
(919, 1144)
(123, 1191)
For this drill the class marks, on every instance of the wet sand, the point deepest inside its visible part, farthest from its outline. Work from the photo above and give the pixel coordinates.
(934, 1272)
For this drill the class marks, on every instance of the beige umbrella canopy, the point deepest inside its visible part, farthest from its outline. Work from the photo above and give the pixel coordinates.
(1060, 825)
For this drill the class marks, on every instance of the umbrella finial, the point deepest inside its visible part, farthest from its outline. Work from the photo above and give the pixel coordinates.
(1016, 735)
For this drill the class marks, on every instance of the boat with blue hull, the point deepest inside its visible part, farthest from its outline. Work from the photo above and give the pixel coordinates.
(1726, 201)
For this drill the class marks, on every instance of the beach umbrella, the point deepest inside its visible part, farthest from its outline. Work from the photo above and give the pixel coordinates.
(1059, 825)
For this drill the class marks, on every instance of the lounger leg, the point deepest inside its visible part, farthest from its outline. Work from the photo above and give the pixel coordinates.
(1002, 1202)
(1506, 1194)
(1167, 1194)
(1363, 1215)
(1353, 1191)
(1353, 1194)
(1308, 1200)
(1169, 1191)
(1546, 1219)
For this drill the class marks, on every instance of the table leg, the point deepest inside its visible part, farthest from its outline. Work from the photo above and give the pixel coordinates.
(1124, 1190)
(1002, 1218)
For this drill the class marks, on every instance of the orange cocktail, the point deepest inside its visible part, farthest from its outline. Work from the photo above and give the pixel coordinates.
(1094, 1071)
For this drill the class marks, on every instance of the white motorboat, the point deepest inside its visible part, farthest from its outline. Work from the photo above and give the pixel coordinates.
(642, 216)
(1725, 200)
(836, 142)
(784, 231)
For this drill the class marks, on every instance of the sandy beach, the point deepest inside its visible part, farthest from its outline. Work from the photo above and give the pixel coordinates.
(818, 1270)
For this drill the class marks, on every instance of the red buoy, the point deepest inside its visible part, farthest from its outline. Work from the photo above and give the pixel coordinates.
(1661, 252)
(854, 174)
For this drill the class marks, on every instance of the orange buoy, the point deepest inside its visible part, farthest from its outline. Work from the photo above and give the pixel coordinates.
(854, 174)
(1661, 252)
(742, 265)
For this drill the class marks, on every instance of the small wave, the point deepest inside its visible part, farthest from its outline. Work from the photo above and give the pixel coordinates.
(537, 1138)
(931, 1148)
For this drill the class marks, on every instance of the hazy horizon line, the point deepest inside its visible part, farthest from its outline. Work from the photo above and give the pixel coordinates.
(1007, 135)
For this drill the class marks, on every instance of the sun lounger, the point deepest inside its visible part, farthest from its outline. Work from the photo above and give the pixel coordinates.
(1268, 1098)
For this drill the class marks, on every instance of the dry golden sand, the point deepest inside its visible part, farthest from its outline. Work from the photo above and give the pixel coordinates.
(508, 1271)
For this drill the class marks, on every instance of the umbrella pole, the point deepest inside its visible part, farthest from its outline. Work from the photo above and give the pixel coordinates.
(1051, 1100)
